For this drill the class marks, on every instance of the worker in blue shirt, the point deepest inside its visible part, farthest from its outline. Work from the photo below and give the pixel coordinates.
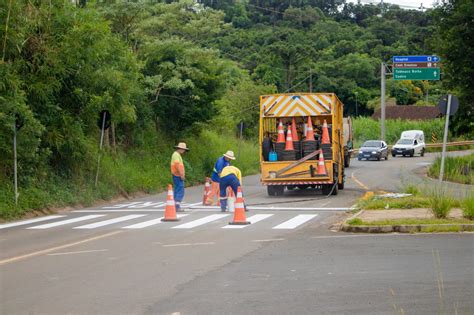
(230, 177)
(221, 162)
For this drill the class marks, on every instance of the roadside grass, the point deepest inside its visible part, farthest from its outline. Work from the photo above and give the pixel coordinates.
(378, 203)
(467, 207)
(369, 129)
(440, 203)
(456, 169)
(357, 221)
(126, 173)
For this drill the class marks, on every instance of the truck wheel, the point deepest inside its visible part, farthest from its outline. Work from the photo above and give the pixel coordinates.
(326, 189)
(422, 153)
(341, 185)
(274, 190)
(347, 161)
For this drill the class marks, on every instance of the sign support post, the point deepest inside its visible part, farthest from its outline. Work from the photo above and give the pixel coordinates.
(100, 148)
(382, 102)
(445, 139)
(15, 167)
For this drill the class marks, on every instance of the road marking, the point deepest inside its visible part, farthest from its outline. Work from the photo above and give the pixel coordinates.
(195, 204)
(201, 221)
(148, 223)
(64, 222)
(295, 222)
(146, 205)
(270, 240)
(25, 222)
(118, 210)
(111, 221)
(79, 252)
(188, 244)
(52, 249)
(253, 219)
(299, 209)
(361, 184)
(121, 205)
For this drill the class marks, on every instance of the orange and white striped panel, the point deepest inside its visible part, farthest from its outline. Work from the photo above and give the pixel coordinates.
(296, 105)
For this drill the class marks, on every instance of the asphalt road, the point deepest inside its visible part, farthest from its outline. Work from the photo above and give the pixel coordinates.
(119, 259)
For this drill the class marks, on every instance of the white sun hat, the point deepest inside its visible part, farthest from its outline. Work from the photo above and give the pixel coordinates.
(230, 155)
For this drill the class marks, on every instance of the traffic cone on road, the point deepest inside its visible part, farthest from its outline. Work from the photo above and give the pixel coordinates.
(281, 133)
(289, 141)
(294, 132)
(321, 165)
(239, 213)
(207, 191)
(309, 131)
(170, 210)
(325, 136)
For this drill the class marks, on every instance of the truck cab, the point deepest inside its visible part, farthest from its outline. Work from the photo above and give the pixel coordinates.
(411, 142)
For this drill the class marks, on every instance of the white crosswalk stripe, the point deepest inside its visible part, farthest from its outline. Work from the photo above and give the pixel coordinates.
(64, 222)
(25, 222)
(295, 222)
(201, 221)
(148, 223)
(111, 221)
(253, 219)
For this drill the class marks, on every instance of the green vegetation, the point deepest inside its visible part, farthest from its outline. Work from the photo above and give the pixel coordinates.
(467, 207)
(376, 203)
(180, 70)
(440, 204)
(369, 129)
(456, 169)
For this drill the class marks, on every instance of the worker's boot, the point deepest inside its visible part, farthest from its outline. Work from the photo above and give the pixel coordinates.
(223, 205)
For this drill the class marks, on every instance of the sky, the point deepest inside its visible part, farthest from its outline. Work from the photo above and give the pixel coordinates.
(410, 3)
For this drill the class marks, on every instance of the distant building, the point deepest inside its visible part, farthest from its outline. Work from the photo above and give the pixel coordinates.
(409, 112)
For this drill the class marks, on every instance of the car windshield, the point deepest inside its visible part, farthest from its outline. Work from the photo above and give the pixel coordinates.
(405, 141)
(372, 144)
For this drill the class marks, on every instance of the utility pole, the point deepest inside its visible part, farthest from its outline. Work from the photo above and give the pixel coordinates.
(445, 139)
(382, 102)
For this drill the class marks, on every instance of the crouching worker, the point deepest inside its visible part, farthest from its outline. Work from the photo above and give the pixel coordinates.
(221, 162)
(229, 177)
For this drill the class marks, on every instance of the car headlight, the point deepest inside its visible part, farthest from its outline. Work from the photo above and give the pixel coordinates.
(374, 152)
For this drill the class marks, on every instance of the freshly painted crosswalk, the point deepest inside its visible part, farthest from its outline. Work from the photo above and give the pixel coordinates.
(64, 222)
(295, 222)
(111, 221)
(191, 220)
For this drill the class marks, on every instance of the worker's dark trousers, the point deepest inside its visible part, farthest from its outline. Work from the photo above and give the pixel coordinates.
(227, 181)
(178, 187)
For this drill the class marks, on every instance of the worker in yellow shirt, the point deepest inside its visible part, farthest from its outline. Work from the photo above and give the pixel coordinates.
(230, 176)
(177, 170)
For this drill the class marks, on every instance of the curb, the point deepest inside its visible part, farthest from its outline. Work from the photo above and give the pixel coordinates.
(408, 228)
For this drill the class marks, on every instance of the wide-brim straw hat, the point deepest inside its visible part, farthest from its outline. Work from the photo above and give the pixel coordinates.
(182, 146)
(229, 155)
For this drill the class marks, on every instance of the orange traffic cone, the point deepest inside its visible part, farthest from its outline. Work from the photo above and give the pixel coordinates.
(170, 210)
(309, 131)
(294, 132)
(289, 141)
(281, 133)
(239, 213)
(321, 165)
(207, 191)
(325, 136)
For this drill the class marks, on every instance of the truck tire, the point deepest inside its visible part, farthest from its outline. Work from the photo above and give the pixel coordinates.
(275, 190)
(347, 160)
(326, 189)
(341, 185)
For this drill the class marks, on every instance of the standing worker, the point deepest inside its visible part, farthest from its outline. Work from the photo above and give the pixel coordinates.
(177, 170)
(221, 162)
(230, 177)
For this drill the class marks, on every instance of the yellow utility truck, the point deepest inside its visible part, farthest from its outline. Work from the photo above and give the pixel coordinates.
(301, 142)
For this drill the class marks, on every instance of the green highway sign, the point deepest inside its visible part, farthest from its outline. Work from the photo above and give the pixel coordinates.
(416, 74)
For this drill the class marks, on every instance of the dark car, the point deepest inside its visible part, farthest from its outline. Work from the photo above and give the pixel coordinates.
(373, 149)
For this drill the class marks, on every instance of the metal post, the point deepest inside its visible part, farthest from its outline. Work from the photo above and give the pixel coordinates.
(427, 92)
(445, 139)
(100, 149)
(15, 170)
(240, 141)
(382, 102)
(310, 81)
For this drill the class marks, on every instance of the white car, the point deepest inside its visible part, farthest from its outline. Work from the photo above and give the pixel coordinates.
(411, 142)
